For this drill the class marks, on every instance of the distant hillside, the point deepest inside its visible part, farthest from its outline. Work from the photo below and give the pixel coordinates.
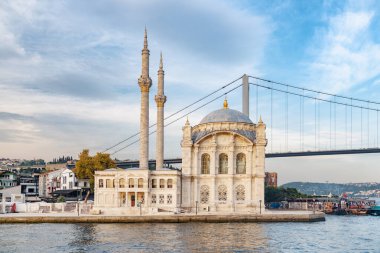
(352, 189)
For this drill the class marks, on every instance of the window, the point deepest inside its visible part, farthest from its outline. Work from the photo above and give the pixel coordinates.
(140, 183)
(85, 184)
(154, 183)
(170, 183)
(154, 199)
(161, 199)
(108, 183)
(223, 164)
(205, 194)
(162, 183)
(70, 185)
(113, 183)
(240, 193)
(205, 164)
(222, 193)
(240, 164)
(64, 179)
(122, 183)
(131, 183)
(169, 199)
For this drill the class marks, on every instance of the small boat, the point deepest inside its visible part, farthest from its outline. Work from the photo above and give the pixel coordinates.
(375, 211)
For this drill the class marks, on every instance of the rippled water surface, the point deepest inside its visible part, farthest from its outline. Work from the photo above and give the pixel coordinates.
(337, 234)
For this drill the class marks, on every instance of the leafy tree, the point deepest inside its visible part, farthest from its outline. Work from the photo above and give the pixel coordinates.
(279, 194)
(86, 166)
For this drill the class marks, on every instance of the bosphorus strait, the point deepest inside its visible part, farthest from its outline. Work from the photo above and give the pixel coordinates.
(337, 234)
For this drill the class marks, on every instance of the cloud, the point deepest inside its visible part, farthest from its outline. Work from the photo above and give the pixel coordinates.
(69, 69)
(345, 53)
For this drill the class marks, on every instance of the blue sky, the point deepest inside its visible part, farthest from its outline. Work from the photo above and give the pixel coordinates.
(69, 69)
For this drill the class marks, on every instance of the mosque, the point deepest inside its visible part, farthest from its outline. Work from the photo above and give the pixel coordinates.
(223, 161)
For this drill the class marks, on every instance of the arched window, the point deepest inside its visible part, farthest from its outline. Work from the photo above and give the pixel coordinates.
(170, 183)
(222, 193)
(162, 183)
(240, 193)
(140, 183)
(108, 183)
(223, 164)
(122, 183)
(131, 183)
(205, 164)
(154, 183)
(101, 183)
(205, 194)
(240, 164)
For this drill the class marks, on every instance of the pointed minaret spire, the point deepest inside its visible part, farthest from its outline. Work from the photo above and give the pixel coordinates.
(145, 83)
(146, 39)
(160, 101)
(161, 64)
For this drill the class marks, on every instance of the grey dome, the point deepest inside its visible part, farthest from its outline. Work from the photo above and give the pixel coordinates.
(226, 115)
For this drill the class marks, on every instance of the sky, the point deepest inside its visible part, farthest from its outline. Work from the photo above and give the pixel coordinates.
(69, 70)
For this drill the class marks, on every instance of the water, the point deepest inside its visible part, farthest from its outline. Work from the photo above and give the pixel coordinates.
(337, 234)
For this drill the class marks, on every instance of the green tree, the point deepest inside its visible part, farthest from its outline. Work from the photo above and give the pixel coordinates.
(86, 166)
(273, 194)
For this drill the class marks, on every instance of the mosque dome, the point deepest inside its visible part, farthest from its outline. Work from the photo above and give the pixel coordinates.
(226, 115)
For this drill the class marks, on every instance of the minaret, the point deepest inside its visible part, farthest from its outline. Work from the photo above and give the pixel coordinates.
(145, 83)
(160, 101)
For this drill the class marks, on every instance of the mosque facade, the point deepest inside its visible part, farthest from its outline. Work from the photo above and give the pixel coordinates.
(223, 163)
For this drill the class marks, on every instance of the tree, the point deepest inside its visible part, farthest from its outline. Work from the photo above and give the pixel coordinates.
(279, 194)
(86, 166)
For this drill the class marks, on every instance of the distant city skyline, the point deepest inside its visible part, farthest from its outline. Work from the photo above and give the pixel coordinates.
(69, 70)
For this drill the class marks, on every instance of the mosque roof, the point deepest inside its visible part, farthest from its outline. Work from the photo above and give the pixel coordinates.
(226, 115)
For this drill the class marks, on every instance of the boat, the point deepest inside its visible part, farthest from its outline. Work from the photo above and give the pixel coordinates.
(375, 211)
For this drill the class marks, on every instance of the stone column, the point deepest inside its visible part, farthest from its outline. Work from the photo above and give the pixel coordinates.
(160, 101)
(145, 83)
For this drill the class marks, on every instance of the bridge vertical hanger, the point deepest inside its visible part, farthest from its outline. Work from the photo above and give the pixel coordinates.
(245, 95)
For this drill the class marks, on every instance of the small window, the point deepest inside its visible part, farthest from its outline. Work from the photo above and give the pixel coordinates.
(154, 183)
(131, 183)
(170, 183)
(154, 199)
(122, 183)
(169, 199)
(140, 183)
(162, 183)
(161, 199)
(108, 183)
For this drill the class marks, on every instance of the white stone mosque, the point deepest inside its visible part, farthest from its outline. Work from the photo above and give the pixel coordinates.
(223, 161)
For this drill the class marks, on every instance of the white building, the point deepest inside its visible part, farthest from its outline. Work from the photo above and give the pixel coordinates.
(68, 181)
(223, 161)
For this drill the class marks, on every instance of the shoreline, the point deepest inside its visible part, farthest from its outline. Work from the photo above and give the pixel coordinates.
(172, 218)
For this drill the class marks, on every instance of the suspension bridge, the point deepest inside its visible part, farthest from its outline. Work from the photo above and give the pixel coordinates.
(300, 121)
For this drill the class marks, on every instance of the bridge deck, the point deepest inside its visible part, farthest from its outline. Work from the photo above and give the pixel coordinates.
(152, 163)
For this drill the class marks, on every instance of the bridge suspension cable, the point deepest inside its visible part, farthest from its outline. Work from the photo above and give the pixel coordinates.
(175, 113)
(315, 91)
(334, 115)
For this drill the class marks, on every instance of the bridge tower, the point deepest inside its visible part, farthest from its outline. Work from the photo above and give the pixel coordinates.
(145, 82)
(245, 97)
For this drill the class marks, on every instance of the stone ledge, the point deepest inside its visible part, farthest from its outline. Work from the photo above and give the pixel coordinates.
(166, 218)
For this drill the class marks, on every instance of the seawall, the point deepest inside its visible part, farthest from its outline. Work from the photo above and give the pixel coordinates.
(272, 217)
